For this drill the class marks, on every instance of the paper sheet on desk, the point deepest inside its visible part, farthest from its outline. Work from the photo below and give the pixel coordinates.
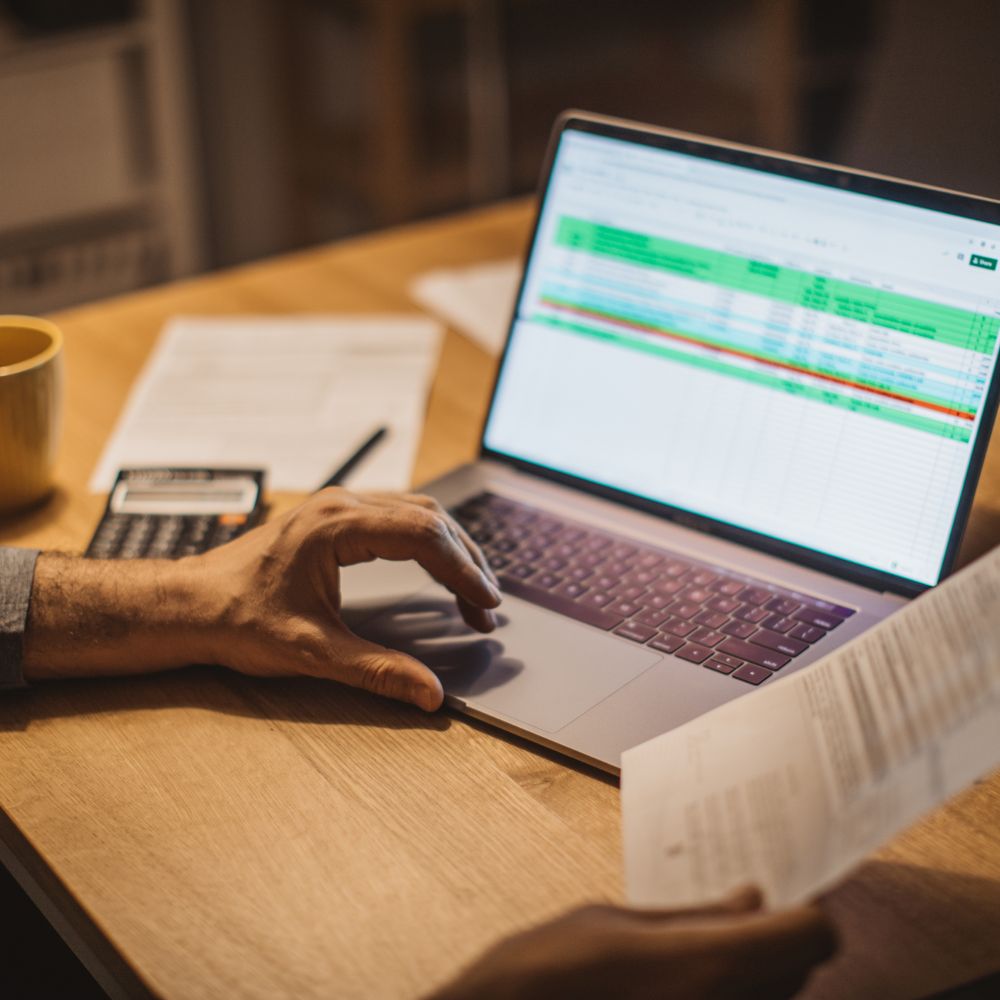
(476, 300)
(295, 395)
(793, 785)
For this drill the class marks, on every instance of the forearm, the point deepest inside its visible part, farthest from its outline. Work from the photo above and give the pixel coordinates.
(90, 617)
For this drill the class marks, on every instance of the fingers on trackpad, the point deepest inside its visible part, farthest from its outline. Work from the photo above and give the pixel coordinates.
(537, 668)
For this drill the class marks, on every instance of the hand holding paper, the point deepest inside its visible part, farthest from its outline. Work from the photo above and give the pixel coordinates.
(793, 785)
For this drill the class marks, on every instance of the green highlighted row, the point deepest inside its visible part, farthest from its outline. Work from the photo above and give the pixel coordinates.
(793, 388)
(903, 313)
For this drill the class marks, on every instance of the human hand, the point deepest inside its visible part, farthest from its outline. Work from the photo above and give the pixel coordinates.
(728, 951)
(276, 590)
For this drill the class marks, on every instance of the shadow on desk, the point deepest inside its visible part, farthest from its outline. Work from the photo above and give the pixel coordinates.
(24, 522)
(912, 932)
(213, 689)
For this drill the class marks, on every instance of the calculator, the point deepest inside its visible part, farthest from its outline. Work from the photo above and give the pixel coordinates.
(166, 513)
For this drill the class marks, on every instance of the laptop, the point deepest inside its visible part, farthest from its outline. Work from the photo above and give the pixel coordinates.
(739, 419)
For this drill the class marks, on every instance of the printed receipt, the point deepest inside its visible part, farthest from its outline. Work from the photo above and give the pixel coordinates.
(792, 786)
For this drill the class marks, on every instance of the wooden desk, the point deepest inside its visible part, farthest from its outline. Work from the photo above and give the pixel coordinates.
(202, 834)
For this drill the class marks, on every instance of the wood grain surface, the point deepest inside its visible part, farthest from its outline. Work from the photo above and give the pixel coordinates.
(236, 837)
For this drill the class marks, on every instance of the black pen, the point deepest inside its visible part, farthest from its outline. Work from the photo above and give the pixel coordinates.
(337, 477)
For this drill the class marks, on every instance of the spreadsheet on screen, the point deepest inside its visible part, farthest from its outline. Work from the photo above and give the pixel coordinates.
(801, 361)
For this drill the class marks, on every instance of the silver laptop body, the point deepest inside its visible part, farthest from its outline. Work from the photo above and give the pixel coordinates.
(772, 377)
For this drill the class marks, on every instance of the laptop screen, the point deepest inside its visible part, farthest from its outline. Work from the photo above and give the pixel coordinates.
(804, 362)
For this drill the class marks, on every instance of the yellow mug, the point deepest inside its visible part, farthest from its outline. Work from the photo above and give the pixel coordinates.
(30, 408)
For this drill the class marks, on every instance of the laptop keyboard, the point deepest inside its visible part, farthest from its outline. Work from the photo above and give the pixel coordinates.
(724, 621)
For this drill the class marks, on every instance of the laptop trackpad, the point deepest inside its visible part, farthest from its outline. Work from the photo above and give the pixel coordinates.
(537, 668)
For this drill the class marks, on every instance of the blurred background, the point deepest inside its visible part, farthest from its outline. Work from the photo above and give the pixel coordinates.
(149, 139)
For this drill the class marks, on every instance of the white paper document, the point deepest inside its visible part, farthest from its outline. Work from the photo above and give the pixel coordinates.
(295, 395)
(792, 786)
(478, 300)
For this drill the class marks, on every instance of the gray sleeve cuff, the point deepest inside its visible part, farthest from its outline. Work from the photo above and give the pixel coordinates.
(17, 571)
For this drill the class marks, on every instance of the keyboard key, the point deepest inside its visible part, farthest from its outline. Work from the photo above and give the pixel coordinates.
(623, 551)
(755, 595)
(834, 609)
(665, 643)
(636, 632)
(821, 619)
(614, 567)
(693, 652)
(677, 626)
(666, 585)
(755, 654)
(807, 633)
(652, 616)
(703, 577)
(572, 589)
(711, 619)
(739, 629)
(626, 608)
(727, 605)
(706, 637)
(521, 571)
(579, 573)
(730, 588)
(782, 643)
(726, 660)
(777, 623)
(547, 580)
(598, 598)
(581, 611)
(752, 674)
(696, 594)
(719, 665)
(676, 568)
(645, 576)
(661, 601)
(783, 605)
(631, 593)
(684, 609)
(650, 560)
(752, 613)
(553, 563)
